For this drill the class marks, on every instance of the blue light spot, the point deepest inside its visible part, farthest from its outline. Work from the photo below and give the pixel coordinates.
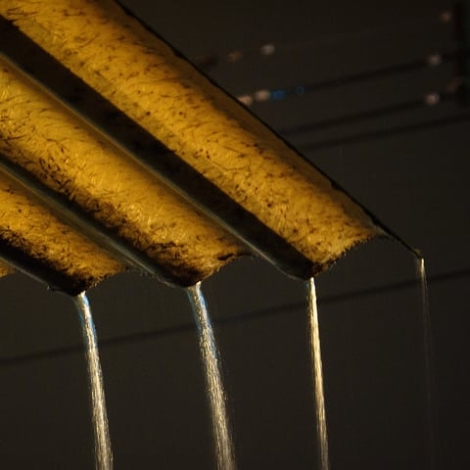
(278, 95)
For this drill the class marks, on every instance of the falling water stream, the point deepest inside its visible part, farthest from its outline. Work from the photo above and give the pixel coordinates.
(220, 423)
(430, 383)
(103, 452)
(322, 434)
(217, 400)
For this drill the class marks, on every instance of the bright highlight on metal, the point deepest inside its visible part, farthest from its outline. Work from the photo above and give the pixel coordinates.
(107, 115)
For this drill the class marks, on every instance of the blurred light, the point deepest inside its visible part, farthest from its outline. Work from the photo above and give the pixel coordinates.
(234, 56)
(247, 100)
(267, 49)
(262, 95)
(446, 16)
(277, 95)
(432, 99)
(434, 60)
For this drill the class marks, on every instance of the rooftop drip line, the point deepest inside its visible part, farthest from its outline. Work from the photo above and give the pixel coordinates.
(176, 171)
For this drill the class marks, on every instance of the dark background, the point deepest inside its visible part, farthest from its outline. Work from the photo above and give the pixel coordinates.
(409, 167)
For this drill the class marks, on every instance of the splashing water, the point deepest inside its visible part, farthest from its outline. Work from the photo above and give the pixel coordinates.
(220, 424)
(103, 452)
(428, 366)
(322, 434)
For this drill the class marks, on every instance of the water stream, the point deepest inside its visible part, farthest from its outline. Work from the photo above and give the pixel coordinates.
(103, 451)
(430, 380)
(210, 357)
(322, 434)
